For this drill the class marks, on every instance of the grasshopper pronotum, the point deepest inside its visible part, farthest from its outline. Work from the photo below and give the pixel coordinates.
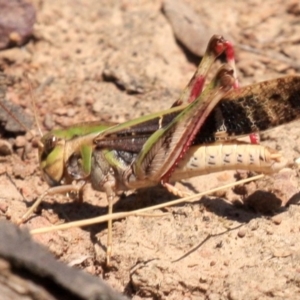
(196, 136)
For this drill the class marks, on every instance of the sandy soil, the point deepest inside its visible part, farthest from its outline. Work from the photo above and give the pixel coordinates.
(116, 60)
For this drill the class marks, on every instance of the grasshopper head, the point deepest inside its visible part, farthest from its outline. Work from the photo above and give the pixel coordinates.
(51, 156)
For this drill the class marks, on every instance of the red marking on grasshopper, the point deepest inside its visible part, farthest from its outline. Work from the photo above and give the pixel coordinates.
(229, 51)
(197, 88)
(219, 48)
(254, 138)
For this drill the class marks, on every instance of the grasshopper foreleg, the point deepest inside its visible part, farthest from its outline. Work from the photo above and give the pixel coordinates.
(62, 189)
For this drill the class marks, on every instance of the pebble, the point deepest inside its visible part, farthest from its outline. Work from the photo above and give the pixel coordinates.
(3, 207)
(71, 112)
(48, 121)
(297, 161)
(241, 233)
(187, 26)
(277, 220)
(16, 22)
(20, 141)
(5, 148)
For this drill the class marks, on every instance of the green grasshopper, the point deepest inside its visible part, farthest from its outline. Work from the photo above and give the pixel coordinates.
(194, 137)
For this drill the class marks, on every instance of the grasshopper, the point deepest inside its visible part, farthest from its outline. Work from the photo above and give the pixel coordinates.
(197, 135)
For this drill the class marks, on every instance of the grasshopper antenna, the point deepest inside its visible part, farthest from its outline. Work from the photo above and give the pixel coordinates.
(33, 102)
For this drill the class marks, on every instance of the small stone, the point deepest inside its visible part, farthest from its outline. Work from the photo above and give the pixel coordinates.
(277, 220)
(3, 207)
(61, 111)
(293, 8)
(97, 106)
(20, 141)
(17, 18)
(282, 252)
(254, 225)
(203, 287)
(15, 37)
(297, 161)
(241, 233)
(48, 121)
(18, 171)
(90, 269)
(5, 148)
(71, 112)
(203, 278)
(188, 26)
(281, 67)
(8, 214)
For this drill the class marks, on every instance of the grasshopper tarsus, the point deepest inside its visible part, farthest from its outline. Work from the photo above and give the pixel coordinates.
(175, 191)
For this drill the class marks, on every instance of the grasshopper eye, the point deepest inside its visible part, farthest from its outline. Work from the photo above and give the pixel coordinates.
(50, 143)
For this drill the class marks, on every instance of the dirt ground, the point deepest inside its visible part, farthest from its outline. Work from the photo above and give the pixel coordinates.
(116, 60)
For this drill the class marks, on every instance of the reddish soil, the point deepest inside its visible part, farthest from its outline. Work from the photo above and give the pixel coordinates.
(116, 60)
